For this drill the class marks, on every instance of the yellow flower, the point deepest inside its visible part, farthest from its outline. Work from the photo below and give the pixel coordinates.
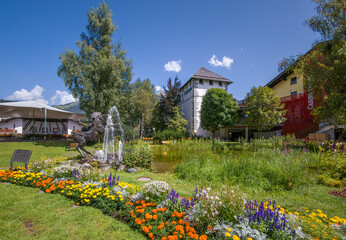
(229, 229)
(235, 237)
(227, 234)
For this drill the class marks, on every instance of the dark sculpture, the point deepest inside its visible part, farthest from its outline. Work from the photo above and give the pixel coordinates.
(95, 132)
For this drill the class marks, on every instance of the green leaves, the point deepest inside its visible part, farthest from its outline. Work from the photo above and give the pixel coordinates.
(263, 108)
(99, 72)
(218, 109)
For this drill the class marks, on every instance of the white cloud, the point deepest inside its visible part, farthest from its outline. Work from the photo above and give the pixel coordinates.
(25, 95)
(62, 97)
(226, 62)
(159, 90)
(173, 66)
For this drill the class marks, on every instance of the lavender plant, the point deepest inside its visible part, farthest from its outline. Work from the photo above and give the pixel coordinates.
(269, 219)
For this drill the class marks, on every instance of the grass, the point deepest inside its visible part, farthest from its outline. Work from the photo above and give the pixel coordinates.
(39, 150)
(26, 214)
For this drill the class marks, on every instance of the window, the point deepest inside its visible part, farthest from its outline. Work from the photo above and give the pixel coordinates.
(220, 83)
(294, 94)
(201, 81)
(293, 80)
(211, 82)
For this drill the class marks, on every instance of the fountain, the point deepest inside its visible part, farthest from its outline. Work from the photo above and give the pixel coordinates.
(113, 132)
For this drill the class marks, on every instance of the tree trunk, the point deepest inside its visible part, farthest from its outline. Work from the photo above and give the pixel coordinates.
(142, 127)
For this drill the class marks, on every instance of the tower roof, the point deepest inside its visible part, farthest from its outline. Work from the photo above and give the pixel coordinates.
(204, 73)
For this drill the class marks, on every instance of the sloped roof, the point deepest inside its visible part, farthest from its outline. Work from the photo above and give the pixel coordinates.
(204, 73)
(31, 109)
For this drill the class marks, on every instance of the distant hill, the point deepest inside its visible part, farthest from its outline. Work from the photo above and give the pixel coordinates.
(71, 107)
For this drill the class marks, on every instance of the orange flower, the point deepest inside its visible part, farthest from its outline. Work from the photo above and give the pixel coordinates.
(154, 211)
(203, 237)
(151, 235)
(155, 217)
(164, 238)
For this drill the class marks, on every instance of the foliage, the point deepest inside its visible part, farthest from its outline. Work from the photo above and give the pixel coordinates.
(99, 73)
(325, 66)
(165, 109)
(138, 156)
(156, 190)
(264, 109)
(177, 122)
(218, 109)
(330, 19)
(144, 97)
(168, 134)
(333, 169)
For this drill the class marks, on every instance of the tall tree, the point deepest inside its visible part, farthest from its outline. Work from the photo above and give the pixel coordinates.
(218, 109)
(177, 122)
(324, 67)
(144, 98)
(169, 98)
(264, 109)
(99, 74)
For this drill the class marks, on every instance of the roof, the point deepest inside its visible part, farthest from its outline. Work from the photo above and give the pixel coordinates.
(34, 109)
(282, 76)
(204, 73)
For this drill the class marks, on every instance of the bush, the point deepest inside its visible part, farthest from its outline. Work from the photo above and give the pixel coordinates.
(168, 134)
(138, 156)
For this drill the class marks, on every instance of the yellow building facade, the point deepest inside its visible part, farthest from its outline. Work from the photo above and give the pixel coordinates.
(291, 85)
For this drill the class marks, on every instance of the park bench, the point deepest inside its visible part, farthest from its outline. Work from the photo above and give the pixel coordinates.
(71, 146)
(21, 156)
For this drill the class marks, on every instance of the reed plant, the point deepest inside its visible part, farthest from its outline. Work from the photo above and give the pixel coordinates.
(267, 168)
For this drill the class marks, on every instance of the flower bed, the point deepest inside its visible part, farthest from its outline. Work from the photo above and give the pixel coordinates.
(160, 213)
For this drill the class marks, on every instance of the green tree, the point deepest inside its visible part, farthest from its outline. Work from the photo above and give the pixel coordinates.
(324, 67)
(144, 98)
(177, 122)
(264, 109)
(164, 109)
(99, 75)
(218, 109)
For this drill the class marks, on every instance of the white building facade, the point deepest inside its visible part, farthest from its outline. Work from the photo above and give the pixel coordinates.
(191, 96)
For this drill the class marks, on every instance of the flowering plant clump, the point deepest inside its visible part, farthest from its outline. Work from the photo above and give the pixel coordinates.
(269, 218)
(156, 190)
(162, 214)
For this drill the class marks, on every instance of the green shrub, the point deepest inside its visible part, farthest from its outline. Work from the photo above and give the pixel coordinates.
(138, 156)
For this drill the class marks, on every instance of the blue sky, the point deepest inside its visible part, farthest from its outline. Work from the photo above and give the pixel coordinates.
(251, 36)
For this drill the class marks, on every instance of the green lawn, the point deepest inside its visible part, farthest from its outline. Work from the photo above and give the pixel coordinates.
(39, 150)
(27, 214)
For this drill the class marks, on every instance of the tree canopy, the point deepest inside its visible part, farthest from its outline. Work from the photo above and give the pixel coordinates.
(218, 109)
(264, 108)
(165, 109)
(99, 74)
